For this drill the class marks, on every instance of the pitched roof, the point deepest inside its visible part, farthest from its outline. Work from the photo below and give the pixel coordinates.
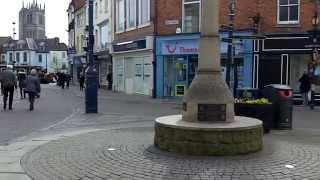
(3, 40)
(39, 45)
(78, 4)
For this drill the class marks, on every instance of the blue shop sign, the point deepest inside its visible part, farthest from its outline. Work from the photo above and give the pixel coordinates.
(187, 46)
(191, 46)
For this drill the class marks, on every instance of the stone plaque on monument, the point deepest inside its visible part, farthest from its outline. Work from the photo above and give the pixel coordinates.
(212, 112)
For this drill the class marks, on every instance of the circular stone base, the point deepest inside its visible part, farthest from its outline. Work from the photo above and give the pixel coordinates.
(213, 139)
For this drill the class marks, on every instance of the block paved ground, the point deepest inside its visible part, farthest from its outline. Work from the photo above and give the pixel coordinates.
(128, 153)
(123, 147)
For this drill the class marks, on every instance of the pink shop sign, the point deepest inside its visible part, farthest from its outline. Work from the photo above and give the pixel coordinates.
(180, 47)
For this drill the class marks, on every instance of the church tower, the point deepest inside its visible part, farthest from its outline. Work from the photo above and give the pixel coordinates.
(32, 21)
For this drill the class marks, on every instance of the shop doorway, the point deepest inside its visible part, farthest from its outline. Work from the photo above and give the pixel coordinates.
(179, 72)
(298, 64)
(143, 76)
(269, 70)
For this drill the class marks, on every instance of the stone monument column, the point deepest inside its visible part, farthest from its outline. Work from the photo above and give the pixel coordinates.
(209, 98)
(208, 125)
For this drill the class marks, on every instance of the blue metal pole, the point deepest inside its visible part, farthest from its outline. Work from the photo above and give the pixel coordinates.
(91, 94)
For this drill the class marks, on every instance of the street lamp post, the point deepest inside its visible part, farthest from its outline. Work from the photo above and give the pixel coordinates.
(315, 23)
(230, 41)
(91, 93)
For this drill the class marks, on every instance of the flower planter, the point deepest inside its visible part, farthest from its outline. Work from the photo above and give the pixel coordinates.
(263, 112)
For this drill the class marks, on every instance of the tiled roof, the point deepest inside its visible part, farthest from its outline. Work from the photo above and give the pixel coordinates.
(39, 45)
(3, 40)
(78, 4)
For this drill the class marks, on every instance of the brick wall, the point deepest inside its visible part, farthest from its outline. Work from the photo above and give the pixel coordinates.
(245, 10)
(138, 32)
(268, 10)
(169, 10)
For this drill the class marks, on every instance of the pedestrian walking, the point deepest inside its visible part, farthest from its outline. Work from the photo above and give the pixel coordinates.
(9, 83)
(305, 87)
(62, 80)
(32, 87)
(81, 82)
(68, 79)
(109, 79)
(22, 85)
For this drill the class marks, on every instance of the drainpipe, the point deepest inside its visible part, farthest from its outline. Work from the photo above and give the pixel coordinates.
(154, 63)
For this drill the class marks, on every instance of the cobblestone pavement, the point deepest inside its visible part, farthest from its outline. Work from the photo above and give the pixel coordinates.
(128, 153)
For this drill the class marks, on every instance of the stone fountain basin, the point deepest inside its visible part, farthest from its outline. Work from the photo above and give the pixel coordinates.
(243, 136)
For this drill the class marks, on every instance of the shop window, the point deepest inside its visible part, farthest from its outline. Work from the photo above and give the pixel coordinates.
(191, 16)
(144, 12)
(288, 11)
(131, 6)
(120, 19)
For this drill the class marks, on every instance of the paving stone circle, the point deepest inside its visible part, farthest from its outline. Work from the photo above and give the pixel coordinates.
(129, 154)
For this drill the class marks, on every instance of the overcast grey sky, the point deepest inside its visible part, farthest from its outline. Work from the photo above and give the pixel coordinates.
(56, 17)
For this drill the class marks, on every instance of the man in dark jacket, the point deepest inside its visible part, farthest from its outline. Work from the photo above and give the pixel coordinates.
(305, 87)
(21, 80)
(32, 87)
(8, 82)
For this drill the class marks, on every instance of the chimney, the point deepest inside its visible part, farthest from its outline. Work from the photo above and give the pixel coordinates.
(56, 40)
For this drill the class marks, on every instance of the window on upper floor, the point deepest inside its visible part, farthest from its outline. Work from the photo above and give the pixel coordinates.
(25, 57)
(103, 35)
(63, 54)
(106, 6)
(131, 9)
(191, 16)
(10, 57)
(100, 6)
(144, 12)
(288, 11)
(41, 21)
(97, 37)
(40, 58)
(96, 9)
(18, 57)
(78, 44)
(120, 17)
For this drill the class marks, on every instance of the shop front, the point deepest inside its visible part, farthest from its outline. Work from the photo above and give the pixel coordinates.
(177, 63)
(132, 67)
(104, 62)
(282, 59)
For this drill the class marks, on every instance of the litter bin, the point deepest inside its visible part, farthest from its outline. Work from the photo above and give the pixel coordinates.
(282, 98)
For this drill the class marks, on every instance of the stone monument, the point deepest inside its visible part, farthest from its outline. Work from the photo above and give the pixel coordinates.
(208, 125)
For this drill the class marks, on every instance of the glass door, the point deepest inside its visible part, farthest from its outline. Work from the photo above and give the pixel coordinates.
(138, 76)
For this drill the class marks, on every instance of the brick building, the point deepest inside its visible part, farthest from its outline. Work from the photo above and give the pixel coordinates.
(178, 27)
(155, 43)
(284, 54)
(280, 57)
(133, 47)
